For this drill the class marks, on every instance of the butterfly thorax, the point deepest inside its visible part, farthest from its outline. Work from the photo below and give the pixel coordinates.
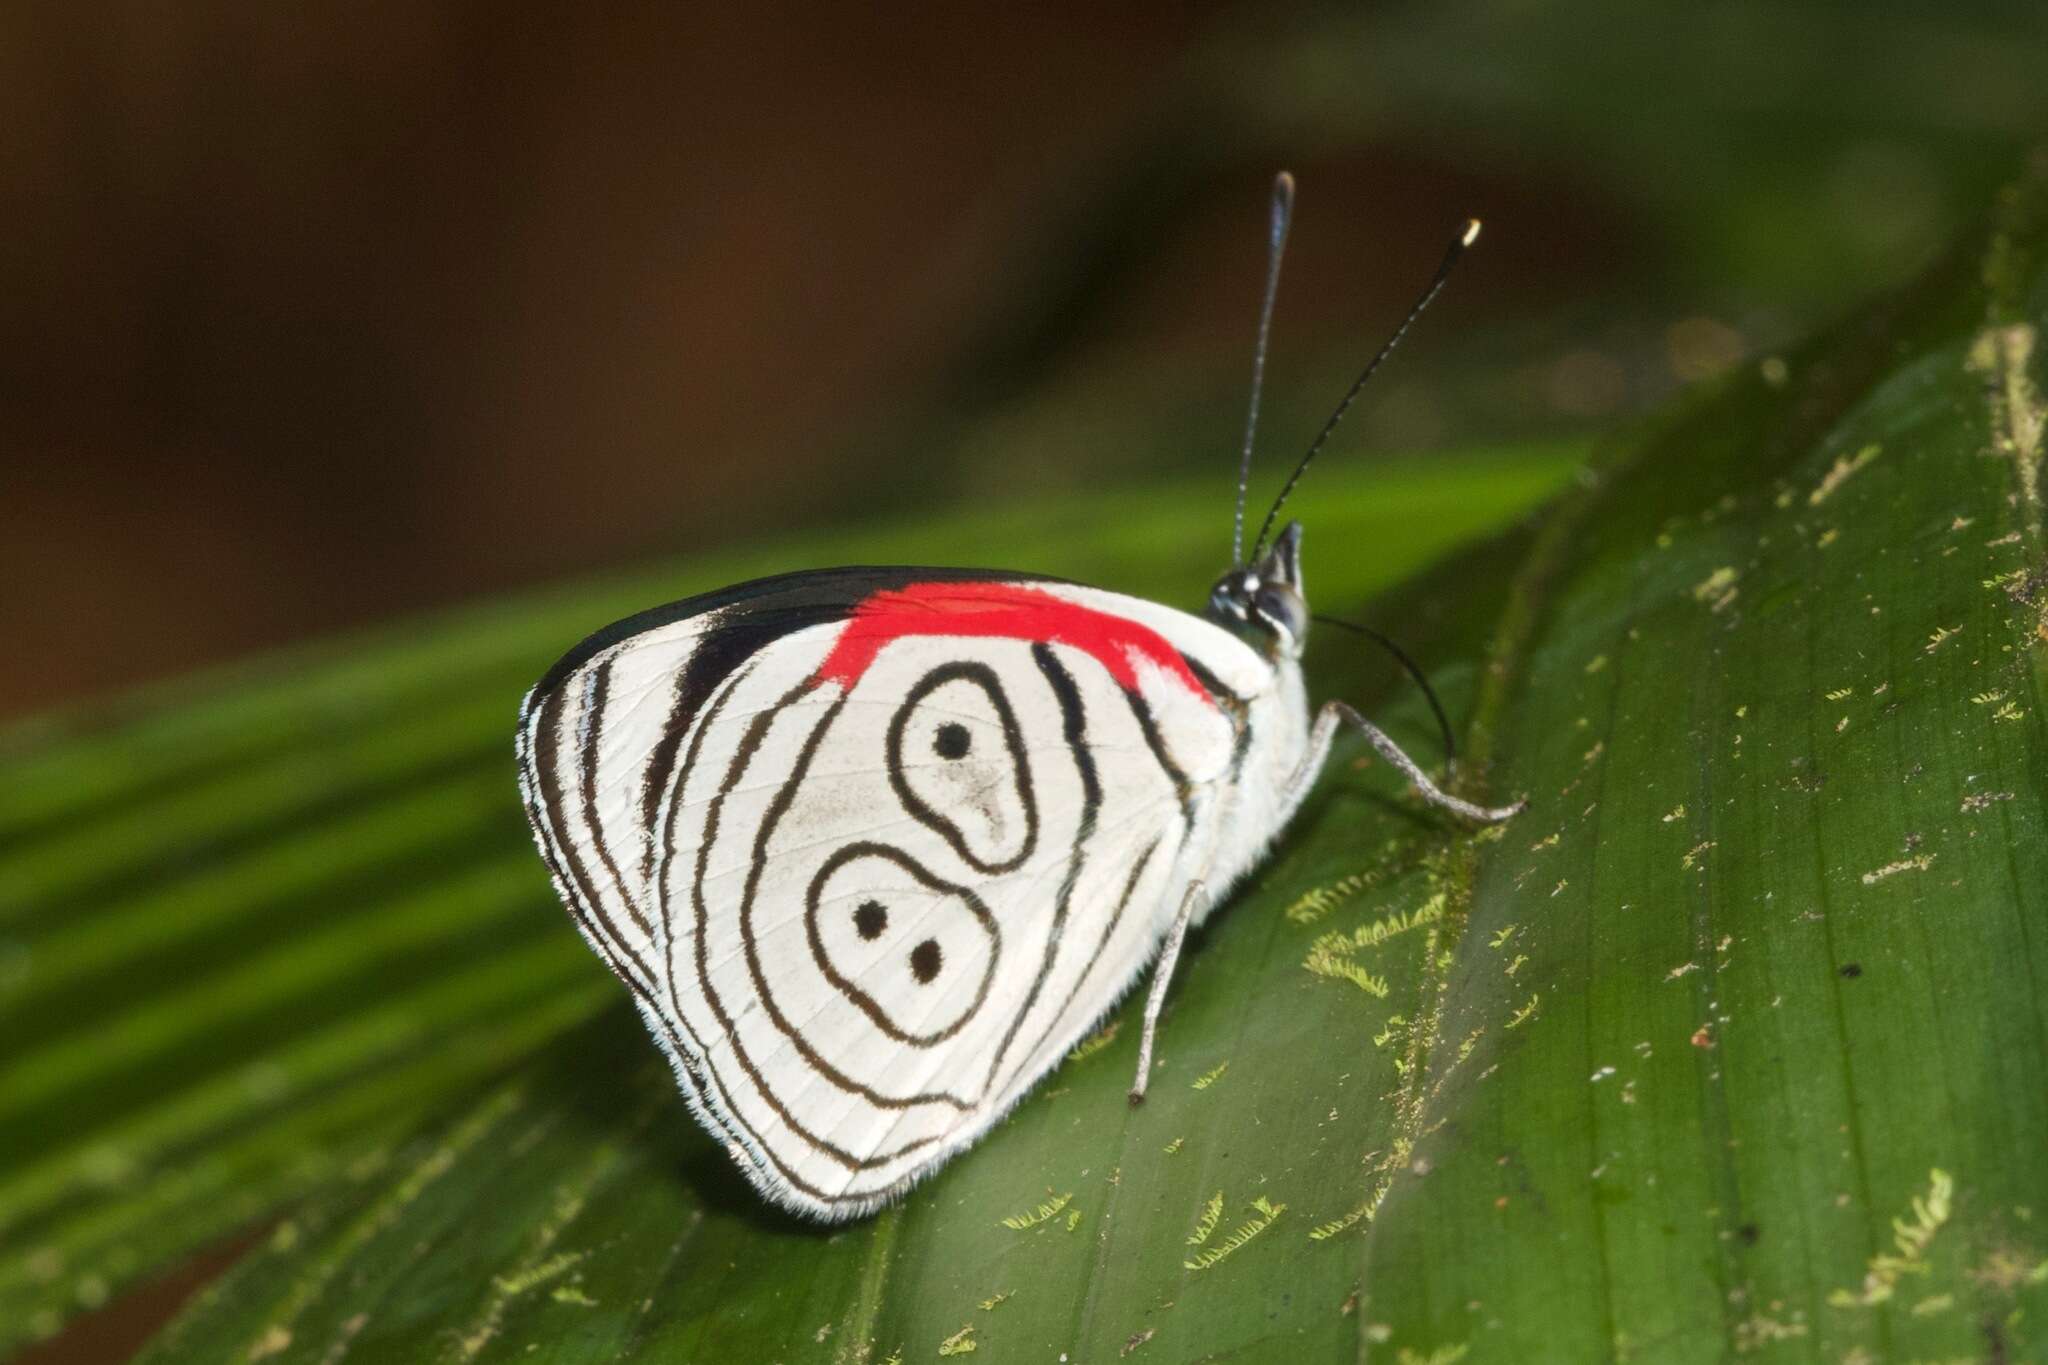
(1255, 804)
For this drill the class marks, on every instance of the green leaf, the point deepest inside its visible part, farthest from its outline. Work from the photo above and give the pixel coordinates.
(1729, 1044)
(254, 932)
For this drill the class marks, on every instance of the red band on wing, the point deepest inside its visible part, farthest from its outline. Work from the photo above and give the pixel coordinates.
(1008, 610)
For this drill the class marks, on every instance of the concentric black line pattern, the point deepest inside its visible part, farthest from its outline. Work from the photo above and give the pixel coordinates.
(539, 743)
(744, 625)
(1074, 731)
(720, 1110)
(750, 743)
(1109, 928)
(739, 622)
(981, 676)
(591, 744)
(571, 875)
(925, 953)
(749, 941)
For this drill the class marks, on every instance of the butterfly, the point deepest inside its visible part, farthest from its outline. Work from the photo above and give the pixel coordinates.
(873, 848)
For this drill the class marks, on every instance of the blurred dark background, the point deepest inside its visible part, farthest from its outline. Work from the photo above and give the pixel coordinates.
(315, 314)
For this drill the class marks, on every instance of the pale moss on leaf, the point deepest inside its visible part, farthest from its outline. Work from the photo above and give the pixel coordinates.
(1323, 1232)
(1264, 1215)
(534, 1276)
(1050, 1209)
(1911, 1237)
(1756, 1332)
(1333, 954)
(1442, 1355)
(1918, 863)
(1212, 1213)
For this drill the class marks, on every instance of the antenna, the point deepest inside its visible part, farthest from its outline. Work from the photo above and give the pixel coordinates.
(1443, 722)
(1276, 246)
(1465, 238)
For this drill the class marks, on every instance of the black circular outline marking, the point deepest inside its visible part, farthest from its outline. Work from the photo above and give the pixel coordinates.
(741, 760)
(860, 998)
(695, 713)
(719, 1107)
(984, 677)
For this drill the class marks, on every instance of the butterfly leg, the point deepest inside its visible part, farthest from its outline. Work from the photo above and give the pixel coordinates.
(1337, 713)
(1162, 973)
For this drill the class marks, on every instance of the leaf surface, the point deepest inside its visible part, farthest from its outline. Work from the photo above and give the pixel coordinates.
(1732, 1043)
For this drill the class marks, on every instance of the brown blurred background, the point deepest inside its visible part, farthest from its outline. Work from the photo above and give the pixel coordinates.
(321, 313)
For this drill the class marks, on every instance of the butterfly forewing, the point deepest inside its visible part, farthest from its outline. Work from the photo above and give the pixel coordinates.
(874, 853)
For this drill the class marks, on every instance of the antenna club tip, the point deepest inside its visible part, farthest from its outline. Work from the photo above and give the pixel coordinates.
(1472, 226)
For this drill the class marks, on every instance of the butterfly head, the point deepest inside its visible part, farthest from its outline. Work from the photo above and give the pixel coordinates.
(1263, 602)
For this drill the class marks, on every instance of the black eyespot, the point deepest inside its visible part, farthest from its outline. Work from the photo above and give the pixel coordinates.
(870, 918)
(924, 961)
(952, 741)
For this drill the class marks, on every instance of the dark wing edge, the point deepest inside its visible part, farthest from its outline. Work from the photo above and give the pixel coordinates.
(817, 594)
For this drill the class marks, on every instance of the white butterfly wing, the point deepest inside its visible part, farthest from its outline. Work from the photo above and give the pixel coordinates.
(879, 879)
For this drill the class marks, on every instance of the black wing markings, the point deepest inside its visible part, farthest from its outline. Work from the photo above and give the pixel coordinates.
(751, 616)
(805, 597)
(590, 744)
(549, 797)
(1074, 724)
(983, 677)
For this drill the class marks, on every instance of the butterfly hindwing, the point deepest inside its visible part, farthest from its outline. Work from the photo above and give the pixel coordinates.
(873, 849)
